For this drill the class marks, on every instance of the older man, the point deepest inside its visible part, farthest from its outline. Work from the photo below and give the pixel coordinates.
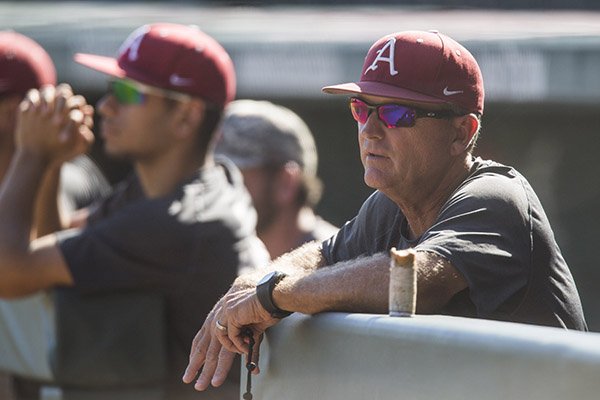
(484, 247)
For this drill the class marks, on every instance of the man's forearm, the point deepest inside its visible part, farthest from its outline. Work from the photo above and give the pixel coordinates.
(17, 198)
(359, 285)
(17, 194)
(301, 261)
(362, 285)
(48, 218)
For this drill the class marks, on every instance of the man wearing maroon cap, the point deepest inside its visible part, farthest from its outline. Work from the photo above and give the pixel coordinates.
(25, 65)
(182, 225)
(484, 247)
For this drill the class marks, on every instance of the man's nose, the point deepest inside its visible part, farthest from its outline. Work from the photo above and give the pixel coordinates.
(373, 128)
(107, 105)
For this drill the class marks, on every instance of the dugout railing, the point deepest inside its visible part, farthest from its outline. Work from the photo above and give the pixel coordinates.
(361, 356)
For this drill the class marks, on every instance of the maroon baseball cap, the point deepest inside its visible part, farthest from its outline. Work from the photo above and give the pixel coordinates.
(426, 67)
(24, 64)
(174, 57)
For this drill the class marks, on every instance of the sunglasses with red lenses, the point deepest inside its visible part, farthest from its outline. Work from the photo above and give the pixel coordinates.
(393, 115)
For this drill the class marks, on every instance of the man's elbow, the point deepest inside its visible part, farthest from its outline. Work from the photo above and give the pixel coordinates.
(15, 282)
(14, 289)
(9, 290)
(10, 294)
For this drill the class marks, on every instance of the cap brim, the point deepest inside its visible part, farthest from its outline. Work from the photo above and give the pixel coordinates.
(382, 90)
(107, 65)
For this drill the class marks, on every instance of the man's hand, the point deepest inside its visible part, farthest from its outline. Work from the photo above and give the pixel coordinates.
(242, 310)
(207, 351)
(54, 124)
(214, 349)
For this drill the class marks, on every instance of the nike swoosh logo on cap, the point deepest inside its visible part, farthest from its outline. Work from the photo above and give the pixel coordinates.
(451, 92)
(177, 80)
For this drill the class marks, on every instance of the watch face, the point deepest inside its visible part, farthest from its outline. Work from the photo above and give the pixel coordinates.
(266, 278)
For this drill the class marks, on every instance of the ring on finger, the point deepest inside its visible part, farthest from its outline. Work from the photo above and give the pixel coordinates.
(220, 327)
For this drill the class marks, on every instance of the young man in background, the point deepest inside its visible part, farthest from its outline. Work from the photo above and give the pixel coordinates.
(181, 226)
(277, 155)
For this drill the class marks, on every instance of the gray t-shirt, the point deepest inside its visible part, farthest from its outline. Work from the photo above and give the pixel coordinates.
(494, 230)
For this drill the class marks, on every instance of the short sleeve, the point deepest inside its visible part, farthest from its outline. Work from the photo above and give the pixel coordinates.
(484, 230)
(375, 228)
(145, 245)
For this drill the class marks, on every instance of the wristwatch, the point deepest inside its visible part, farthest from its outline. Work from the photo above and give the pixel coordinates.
(264, 292)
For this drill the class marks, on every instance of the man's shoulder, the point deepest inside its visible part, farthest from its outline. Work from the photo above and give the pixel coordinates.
(214, 188)
(490, 169)
(490, 180)
(222, 176)
(217, 196)
(379, 201)
(498, 188)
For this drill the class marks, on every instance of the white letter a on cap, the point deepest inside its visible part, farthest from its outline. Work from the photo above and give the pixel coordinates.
(391, 45)
(133, 42)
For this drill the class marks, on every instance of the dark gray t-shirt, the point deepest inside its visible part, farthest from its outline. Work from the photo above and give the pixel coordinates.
(187, 245)
(494, 230)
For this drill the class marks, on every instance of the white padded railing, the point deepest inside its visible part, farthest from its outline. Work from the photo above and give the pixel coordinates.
(369, 357)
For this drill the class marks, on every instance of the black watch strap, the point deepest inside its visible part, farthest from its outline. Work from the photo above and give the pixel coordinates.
(264, 292)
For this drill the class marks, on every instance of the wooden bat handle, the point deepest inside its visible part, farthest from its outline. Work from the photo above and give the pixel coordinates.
(403, 283)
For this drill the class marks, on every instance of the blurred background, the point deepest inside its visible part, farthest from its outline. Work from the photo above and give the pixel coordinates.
(540, 62)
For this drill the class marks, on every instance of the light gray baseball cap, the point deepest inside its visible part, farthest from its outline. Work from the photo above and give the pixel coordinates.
(260, 133)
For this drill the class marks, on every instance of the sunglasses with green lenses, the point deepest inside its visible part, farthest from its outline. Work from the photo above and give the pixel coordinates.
(130, 92)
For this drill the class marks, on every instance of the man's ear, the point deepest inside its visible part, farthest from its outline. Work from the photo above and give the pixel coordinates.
(188, 117)
(465, 127)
